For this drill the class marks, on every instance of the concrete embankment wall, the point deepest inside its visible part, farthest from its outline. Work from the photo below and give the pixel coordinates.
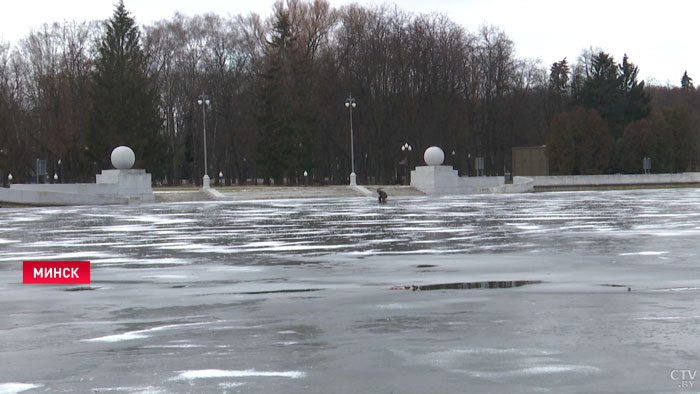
(71, 188)
(627, 181)
(111, 187)
(26, 194)
(443, 180)
(521, 184)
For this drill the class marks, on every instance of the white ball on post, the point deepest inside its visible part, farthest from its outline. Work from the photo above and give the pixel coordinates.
(123, 158)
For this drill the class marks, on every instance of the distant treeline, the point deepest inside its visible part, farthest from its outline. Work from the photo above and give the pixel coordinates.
(277, 90)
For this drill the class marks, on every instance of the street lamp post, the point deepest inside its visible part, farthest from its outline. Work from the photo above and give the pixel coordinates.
(204, 102)
(406, 148)
(245, 171)
(469, 158)
(350, 103)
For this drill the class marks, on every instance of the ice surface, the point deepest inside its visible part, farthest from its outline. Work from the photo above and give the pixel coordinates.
(296, 296)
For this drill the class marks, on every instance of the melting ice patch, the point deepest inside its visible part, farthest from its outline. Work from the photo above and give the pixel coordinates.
(679, 289)
(538, 370)
(235, 269)
(179, 346)
(220, 373)
(86, 255)
(288, 343)
(161, 219)
(668, 318)
(230, 385)
(127, 336)
(139, 334)
(528, 362)
(133, 390)
(12, 388)
(647, 253)
(129, 261)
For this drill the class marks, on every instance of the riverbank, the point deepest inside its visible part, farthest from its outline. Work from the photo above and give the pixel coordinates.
(170, 194)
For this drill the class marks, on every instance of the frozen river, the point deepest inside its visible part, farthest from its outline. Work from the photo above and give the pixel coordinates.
(540, 293)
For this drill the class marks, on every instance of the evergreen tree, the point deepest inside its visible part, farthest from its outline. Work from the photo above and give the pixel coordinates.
(286, 129)
(559, 86)
(559, 76)
(601, 91)
(637, 101)
(613, 90)
(687, 82)
(125, 102)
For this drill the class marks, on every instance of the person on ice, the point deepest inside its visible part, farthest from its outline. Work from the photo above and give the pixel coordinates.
(382, 196)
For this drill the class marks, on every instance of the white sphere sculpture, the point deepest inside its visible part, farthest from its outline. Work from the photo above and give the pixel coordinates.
(123, 157)
(434, 156)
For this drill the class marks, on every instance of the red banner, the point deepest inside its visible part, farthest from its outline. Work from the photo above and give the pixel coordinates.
(56, 272)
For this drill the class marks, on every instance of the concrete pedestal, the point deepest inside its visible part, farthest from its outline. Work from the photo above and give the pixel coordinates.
(131, 182)
(435, 180)
(444, 180)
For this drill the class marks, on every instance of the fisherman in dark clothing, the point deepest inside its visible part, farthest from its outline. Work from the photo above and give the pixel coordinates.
(382, 196)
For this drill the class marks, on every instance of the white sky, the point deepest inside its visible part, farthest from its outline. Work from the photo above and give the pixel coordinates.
(659, 36)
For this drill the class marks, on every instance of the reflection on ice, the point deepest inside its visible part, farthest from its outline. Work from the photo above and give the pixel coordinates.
(477, 285)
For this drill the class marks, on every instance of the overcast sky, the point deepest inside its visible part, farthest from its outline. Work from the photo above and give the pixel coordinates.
(661, 37)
